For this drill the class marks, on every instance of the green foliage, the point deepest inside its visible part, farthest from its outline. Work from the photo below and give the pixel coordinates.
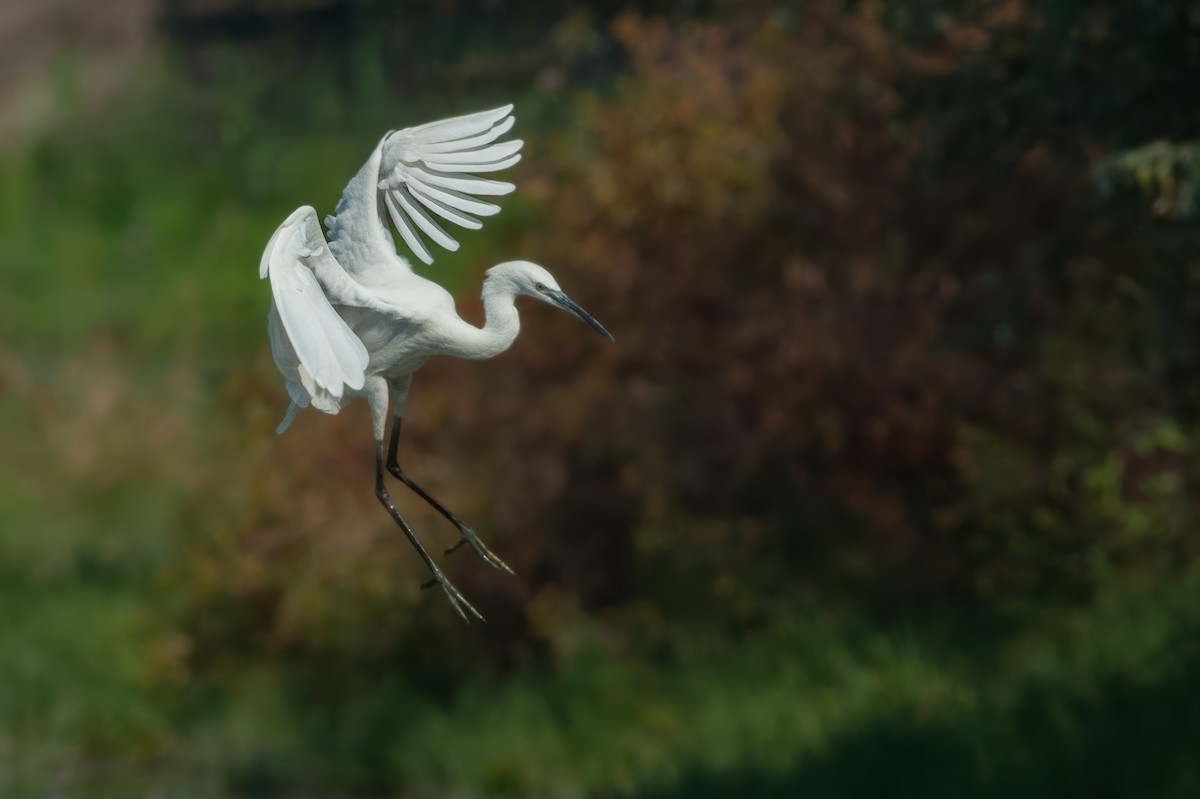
(1169, 173)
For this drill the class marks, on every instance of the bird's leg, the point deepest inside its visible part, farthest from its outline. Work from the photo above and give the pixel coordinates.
(468, 535)
(456, 598)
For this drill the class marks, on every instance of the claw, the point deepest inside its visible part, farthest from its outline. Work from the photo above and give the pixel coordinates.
(455, 596)
(469, 537)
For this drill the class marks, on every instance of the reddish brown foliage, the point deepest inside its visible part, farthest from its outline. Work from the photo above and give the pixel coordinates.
(778, 337)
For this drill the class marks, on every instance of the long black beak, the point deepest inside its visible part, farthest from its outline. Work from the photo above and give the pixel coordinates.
(570, 304)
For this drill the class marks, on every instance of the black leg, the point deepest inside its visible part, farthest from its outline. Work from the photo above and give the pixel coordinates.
(460, 603)
(468, 535)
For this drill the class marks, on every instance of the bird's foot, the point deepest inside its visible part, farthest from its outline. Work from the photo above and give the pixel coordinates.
(455, 596)
(469, 537)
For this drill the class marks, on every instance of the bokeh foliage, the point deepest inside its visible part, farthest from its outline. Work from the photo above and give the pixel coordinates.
(888, 481)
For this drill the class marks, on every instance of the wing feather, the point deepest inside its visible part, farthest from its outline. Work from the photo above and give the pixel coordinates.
(497, 152)
(431, 228)
(452, 198)
(471, 142)
(492, 167)
(449, 214)
(416, 178)
(470, 185)
(458, 127)
(325, 346)
(406, 229)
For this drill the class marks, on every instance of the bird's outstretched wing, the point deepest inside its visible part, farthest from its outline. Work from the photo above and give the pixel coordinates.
(418, 176)
(330, 356)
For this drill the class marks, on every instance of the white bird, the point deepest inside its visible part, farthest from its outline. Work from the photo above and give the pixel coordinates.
(350, 318)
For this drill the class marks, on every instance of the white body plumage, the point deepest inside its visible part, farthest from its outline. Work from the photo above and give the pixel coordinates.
(350, 318)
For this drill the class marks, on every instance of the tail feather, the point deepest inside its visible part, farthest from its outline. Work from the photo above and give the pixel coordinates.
(287, 418)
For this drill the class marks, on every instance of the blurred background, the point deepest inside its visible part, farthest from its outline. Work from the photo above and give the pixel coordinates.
(888, 485)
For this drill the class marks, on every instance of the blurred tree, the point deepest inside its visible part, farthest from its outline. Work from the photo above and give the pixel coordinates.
(877, 333)
(865, 278)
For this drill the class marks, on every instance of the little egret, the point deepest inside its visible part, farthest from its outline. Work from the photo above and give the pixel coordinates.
(349, 317)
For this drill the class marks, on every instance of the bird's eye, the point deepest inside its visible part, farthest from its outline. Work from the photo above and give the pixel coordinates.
(539, 287)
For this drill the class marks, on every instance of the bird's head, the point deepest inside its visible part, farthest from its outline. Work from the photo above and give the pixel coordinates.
(525, 277)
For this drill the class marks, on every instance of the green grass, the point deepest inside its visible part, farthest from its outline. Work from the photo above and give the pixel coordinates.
(834, 706)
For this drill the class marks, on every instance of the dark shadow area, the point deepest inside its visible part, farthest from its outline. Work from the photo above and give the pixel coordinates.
(1125, 738)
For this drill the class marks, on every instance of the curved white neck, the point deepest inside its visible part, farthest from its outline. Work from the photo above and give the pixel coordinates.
(499, 330)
